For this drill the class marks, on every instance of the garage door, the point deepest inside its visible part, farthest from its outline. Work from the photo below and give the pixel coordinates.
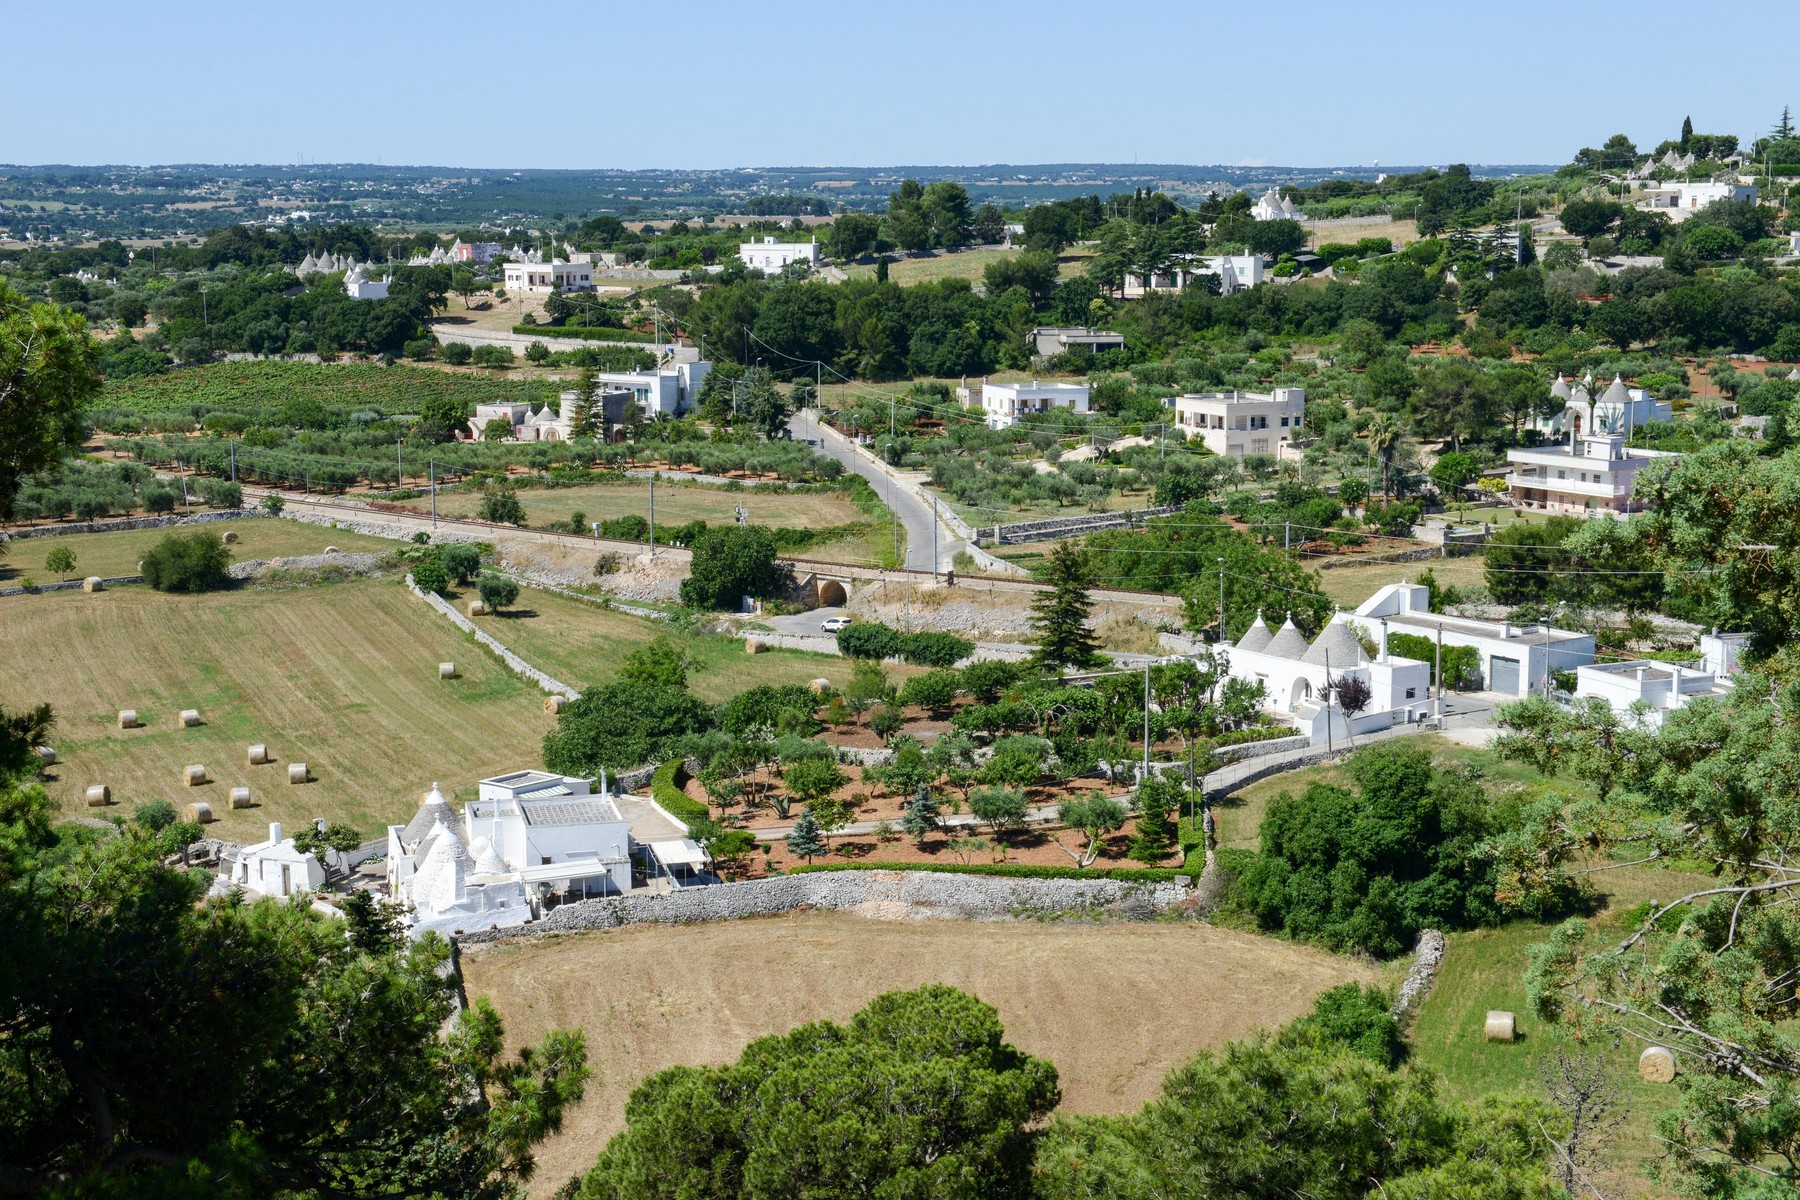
(1503, 675)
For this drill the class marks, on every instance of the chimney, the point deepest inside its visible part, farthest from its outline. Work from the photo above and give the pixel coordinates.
(1381, 647)
(1506, 629)
(1642, 671)
(274, 831)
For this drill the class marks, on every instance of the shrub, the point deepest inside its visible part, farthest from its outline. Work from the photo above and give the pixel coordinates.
(461, 560)
(887, 720)
(497, 591)
(930, 649)
(617, 726)
(869, 640)
(934, 690)
(154, 815)
(221, 493)
(191, 562)
(665, 789)
(456, 353)
(872, 639)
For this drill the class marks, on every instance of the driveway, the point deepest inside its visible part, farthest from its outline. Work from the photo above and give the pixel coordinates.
(806, 622)
(914, 513)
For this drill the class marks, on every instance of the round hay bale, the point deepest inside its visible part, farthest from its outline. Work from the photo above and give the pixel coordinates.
(754, 646)
(1502, 1026)
(1656, 1065)
(447, 670)
(555, 704)
(99, 796)
(820, 686)
(193, 774)
(477, 608)
(93, 583)
(297, 773)
(240, 797)
(200, 812)
(259, 754)
(332, 550)
(128, 718)
(190, 717)
(46, 756)
(231, 537)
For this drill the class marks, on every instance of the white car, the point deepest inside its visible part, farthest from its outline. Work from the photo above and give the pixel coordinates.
(833, 624)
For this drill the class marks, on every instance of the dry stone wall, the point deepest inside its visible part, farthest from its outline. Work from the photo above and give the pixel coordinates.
(548, 683)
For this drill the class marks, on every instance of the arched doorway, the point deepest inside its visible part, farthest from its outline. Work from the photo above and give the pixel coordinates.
(1301, 693)
(832, 594)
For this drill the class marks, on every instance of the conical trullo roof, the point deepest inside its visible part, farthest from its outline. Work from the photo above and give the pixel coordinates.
(1336, 647)
(1616, 392)
(433, 809)
(1256, 638)
(442, 878)
(1794, 375)
(1560, 388)
(1288, 641)
(487, 862)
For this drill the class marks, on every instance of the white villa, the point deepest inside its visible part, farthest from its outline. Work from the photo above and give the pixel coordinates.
(1235, 424)
(1234, 271)
(1515, 660)
(531, 840)
(533, 274)
(1680, 200)
(1275, 207)
(1588, 477)
(1619, 409)
(770, 256)
(1295, 676)
(475, 252)
(274, 868)
(1052, 340)
(1654, 689)
(1002, 404)
(668, 391)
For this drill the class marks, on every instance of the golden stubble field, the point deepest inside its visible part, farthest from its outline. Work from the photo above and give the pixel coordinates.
(1114, 1006)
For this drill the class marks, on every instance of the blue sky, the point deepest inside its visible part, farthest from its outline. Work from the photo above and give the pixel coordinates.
(702, 84)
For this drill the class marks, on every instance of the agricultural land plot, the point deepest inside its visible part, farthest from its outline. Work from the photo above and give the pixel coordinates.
(964, 264)
(1351, 584)
(340, 676)
(259, 390)
(584, 644)
(110, 555)
(677, 503)
(1186, 986)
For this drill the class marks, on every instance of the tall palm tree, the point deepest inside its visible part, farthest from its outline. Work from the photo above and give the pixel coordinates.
(1385, 432)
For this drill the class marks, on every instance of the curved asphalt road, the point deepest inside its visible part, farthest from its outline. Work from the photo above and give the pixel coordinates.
(915, 514)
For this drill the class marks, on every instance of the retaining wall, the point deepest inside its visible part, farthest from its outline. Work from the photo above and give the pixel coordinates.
(885, 893)
(555, 687)
(68, 585)
(1061, 527)
(126, 523)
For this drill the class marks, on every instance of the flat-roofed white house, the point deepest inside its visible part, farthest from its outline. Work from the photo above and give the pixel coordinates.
(1002, 404)
(475, 252)
(1236, 424)
(1681, 200)
(1052, 340)
(1234, 271)
(769, 255)
(1296, 674)
(1591, 476)
(666, 391)
(358, 285)
(1514, 660)
(1618, 409)
(553, 276)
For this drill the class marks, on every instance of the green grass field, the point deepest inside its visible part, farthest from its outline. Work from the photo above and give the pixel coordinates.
(113, 554)
(341, 676)
(966, 264)
(676, 504)
(584, 644)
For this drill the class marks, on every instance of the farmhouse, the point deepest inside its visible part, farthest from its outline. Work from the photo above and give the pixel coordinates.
(358, 285)
(770, 256)
(1275, 207)
(535, 275)
(1515, 660)
(1002, 404)
(1297, 678)
(1590, 476)
(1233, 270)
(665, 391)
(1235, 424)
(531, 840)
(1654, 689)
(473, 252)
(1679, 200)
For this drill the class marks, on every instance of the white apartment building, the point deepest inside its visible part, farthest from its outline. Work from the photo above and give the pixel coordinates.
(1588, 477)
(1515, 660)
(1002, 404)
(1236, 424)
(769, 255)
(553, 276)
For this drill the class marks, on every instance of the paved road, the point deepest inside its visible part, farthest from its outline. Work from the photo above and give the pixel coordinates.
(915, 515)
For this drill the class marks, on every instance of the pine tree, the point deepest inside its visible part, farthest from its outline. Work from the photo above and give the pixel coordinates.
(1687, 133)
(1060, 614)
(1155, 830)
(1784, 128)
(806, 839)
(920, 820)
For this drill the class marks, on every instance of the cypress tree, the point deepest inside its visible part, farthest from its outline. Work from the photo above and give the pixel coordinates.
(1687, 133)
(1060, 614)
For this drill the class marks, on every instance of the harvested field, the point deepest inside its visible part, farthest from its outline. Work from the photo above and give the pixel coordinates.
(113, 554)
(1185, 987)
(342, 677)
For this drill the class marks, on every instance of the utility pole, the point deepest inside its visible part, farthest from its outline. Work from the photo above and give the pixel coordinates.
(1221, 599)
(1438, 675)
(653, 516)
(1330, 751)
(934, 539)
(431, 477)
(1145, 777)
(232, 447)
(399, 466)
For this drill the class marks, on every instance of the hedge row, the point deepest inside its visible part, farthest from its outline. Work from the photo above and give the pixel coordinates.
(1005, 870)
(872, 639)
(665, 789)
(590, 333)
